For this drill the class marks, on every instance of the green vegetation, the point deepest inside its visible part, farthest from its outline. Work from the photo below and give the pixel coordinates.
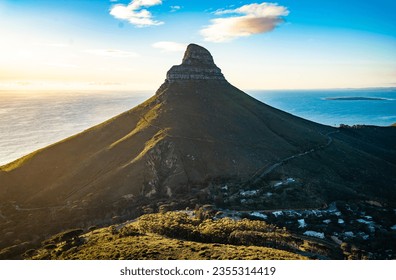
(64, 236)
(226, 230)
(171, 235)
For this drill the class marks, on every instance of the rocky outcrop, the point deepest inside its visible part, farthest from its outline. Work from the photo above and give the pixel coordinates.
(197, 64)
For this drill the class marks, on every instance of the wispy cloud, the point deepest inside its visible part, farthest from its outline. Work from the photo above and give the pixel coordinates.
(174, 8)
(136, 13)
(169, 46)
(112, 53)
(247, 20)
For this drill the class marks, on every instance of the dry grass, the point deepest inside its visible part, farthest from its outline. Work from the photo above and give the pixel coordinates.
(103, 245)
(140, 240)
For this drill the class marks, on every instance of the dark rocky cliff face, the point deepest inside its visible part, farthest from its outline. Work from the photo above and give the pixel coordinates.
(197, 64)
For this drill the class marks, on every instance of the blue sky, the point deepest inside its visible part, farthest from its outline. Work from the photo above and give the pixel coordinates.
(258, 45)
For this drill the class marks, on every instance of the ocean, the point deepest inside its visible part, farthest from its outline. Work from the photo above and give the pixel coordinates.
(332, 107)
(30, 121)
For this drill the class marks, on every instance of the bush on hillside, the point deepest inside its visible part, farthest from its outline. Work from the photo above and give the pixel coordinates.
(64, 236)
(225, 230)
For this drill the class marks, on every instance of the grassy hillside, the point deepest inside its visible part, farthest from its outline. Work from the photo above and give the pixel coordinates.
(173, 235)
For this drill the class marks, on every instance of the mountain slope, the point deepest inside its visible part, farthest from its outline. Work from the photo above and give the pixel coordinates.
(197, 134)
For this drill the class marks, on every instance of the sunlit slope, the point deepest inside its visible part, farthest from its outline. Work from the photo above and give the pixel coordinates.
(175, 235)
(54, 173)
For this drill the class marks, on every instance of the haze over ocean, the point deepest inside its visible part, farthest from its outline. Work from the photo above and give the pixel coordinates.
(30, 122)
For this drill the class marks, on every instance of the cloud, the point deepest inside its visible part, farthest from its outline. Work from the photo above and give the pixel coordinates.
(169, 46)
(246, 20)
(174, 8)
(112, 53)
(135, 13)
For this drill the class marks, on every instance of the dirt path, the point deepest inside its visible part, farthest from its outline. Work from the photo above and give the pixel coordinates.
(263, 171)
(21, 209)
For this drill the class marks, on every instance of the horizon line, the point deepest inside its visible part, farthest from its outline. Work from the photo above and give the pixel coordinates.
(125, 89)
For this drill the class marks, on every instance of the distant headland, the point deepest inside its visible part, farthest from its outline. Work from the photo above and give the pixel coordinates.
(356, 98)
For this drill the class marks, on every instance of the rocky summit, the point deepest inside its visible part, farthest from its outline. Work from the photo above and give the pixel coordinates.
(198, 140)
(197, 64)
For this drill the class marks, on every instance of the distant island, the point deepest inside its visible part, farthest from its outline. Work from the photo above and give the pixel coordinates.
(358, 98)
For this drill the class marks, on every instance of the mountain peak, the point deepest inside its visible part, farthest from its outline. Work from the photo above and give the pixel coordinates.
(197, 55)
(197, 64)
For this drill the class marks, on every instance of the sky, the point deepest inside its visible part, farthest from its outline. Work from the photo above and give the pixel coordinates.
(129, 45)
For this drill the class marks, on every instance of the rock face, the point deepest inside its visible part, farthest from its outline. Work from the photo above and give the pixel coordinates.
(197, 64)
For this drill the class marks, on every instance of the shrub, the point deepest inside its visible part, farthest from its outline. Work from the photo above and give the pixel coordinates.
(171, 224)
(225, 230)
(247, 237)
(220, 230)
(113, 230)
(92, 228)
(50, 246)
(129, 230)
(29, 253)
(64, 236)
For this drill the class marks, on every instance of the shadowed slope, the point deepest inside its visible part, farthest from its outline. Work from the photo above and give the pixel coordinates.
(188, 132)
